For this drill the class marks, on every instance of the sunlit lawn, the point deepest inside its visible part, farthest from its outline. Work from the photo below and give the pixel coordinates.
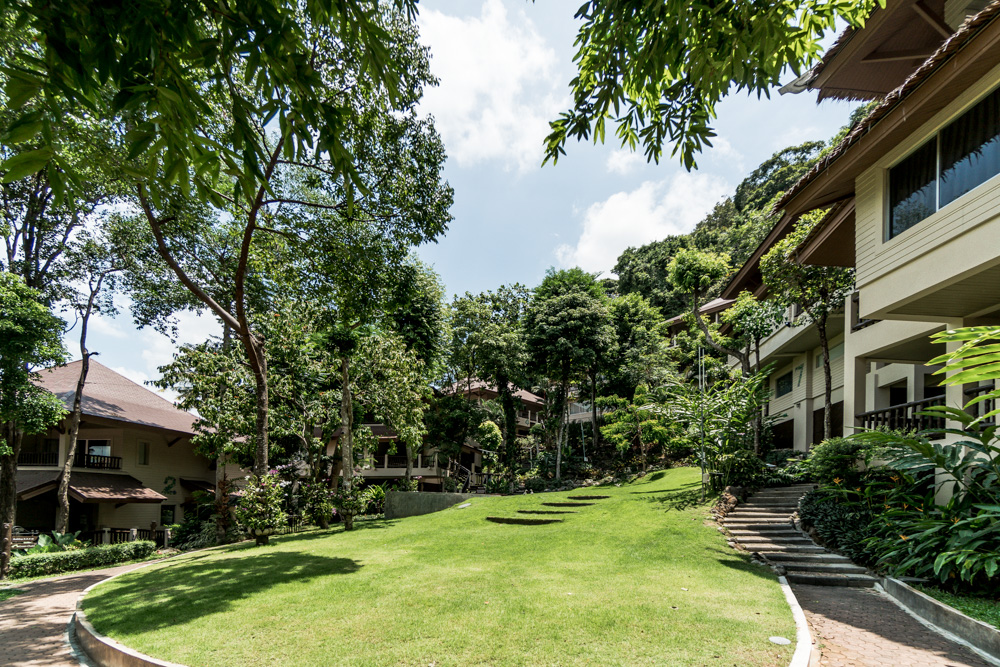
(638, 578)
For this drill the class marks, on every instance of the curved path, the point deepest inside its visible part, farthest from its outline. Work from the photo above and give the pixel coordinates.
(33, 623)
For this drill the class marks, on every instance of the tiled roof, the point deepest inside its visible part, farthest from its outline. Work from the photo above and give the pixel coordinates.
(479, 385)
(952, 45)
(91, 487)
(112, 396)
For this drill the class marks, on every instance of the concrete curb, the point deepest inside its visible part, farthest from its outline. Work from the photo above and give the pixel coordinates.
(981, 638)
(803, 638)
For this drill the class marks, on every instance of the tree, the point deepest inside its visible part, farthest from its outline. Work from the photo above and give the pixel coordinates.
(159, 69)
(658, 70)
(488, 341)
(818, 290)
(391, 386)
(94, 262)
(695, 272)
(30, 337)
(568, 331)
(637, 422)
(638, 354)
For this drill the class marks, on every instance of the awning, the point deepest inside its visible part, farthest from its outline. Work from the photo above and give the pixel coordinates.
(197, 485)
(87, 487)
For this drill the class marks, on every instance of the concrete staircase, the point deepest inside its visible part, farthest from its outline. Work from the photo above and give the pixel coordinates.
(764, 524)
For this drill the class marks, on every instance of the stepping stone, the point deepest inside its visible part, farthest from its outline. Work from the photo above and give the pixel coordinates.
(546, 512)
(567, 504)
(587, 497)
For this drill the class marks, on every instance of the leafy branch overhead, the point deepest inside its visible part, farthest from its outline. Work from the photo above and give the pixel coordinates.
(657, 70)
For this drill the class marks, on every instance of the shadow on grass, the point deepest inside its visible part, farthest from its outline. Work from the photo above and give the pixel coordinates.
(7, 593)
(193, 589)
(677, 500)
(690, 485)
(742, 563)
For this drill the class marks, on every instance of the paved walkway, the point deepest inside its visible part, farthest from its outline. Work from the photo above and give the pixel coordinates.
(33, 624)
(860, 626)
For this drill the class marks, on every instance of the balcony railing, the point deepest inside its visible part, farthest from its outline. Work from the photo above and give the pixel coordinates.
(97, 462)
(38, 459)
(857, 322)
(904, 417)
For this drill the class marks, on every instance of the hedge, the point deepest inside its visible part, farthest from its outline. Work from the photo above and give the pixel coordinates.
(35, 565)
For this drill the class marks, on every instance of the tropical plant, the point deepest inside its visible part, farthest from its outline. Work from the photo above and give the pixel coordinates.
(50, 543)
(261, 509)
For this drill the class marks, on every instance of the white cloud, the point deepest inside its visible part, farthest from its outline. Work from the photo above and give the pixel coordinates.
(106, 326)
(498, 85)
(722, 150)
(624, 161)
(653, 211)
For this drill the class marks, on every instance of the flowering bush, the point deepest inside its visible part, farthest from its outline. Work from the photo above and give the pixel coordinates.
(261, 510)
(317, 502)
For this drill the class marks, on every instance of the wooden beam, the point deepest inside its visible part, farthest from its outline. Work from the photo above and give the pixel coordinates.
(174, 441)
(905, 54)
(932, 18)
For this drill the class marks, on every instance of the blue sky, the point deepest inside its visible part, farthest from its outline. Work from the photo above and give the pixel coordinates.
(504, 67)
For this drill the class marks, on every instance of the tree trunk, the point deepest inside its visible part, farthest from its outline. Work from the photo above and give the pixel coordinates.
(593, 409)
(62, 496)
(642, 445)
(744, 359)
(824, 343)
(509, 430)
(347, 437)
(409, 464)
(260, 459)
(559, 431)
(8, 494)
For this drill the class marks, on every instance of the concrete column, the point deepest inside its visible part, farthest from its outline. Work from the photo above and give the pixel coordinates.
(855, 378)
(105, 536)
(954, 397)
(166, 538)
(133, 534)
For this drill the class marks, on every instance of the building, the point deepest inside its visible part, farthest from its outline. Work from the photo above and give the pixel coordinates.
(135, 466)
(912, 203)
(388, 461)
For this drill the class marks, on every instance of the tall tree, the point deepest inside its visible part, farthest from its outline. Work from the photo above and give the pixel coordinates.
(638, 354)
(30, 338)
(567, 331)
(818, 290)
(658, 70)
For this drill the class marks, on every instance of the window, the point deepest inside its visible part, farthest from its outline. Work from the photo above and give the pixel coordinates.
(964, 155)
(142, 453)
(783, 385)
(98, 447)
(836, 352)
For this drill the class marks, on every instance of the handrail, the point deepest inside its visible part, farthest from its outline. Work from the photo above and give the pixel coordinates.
(904, 416)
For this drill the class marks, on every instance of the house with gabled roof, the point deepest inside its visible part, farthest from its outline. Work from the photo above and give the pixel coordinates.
(135, 465)
(911, 201)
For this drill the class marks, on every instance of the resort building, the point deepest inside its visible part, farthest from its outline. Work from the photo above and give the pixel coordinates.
(912, 204)
(134, 468)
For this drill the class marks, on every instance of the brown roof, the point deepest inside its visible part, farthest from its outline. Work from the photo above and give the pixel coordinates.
(113, 396)
(969, 29)
(88, 487)
(478, 385)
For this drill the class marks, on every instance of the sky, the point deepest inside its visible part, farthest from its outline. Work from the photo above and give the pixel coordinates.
(504, 68)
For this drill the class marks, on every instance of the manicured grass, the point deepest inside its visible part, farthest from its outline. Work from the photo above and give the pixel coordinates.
(638, 578)
(980, 608)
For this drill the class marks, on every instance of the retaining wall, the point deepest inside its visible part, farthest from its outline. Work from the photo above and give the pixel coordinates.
(399, 504)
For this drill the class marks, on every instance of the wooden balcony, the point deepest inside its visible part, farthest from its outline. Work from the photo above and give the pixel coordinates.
(95, 462)
(904, 417)
(38, 459)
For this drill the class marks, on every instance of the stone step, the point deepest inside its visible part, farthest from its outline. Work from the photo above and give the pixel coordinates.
(769, 507)
(764, 534)
(790, 500)
(816, 579)
(793, 493)
(828, 568)
(826, 557)
(785, 516)
(762, 527)
(776, 541)
(758, 520)
(768, 548)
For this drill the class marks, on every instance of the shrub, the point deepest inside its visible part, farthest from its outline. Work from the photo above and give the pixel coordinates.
(779, 457)
(840, 523)
(838, 459)
(317, 502)
(79, 559)
(261, 509)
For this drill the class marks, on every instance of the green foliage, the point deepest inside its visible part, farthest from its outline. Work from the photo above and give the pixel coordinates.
(267, 60)
(696, 271)
(658, 70)
(838, 460)
(79, 559)
(780, 456)
(56, 542)
(843, 525)
(261, 508)
(317, 501)
(639, 352)
(488, 436)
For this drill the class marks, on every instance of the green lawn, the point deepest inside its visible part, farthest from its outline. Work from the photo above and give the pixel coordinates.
(638, 578)
(978, 607)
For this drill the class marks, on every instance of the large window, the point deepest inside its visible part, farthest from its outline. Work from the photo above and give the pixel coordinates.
(98, 447)
(783, 385)
(964, 155)
(142, 452)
